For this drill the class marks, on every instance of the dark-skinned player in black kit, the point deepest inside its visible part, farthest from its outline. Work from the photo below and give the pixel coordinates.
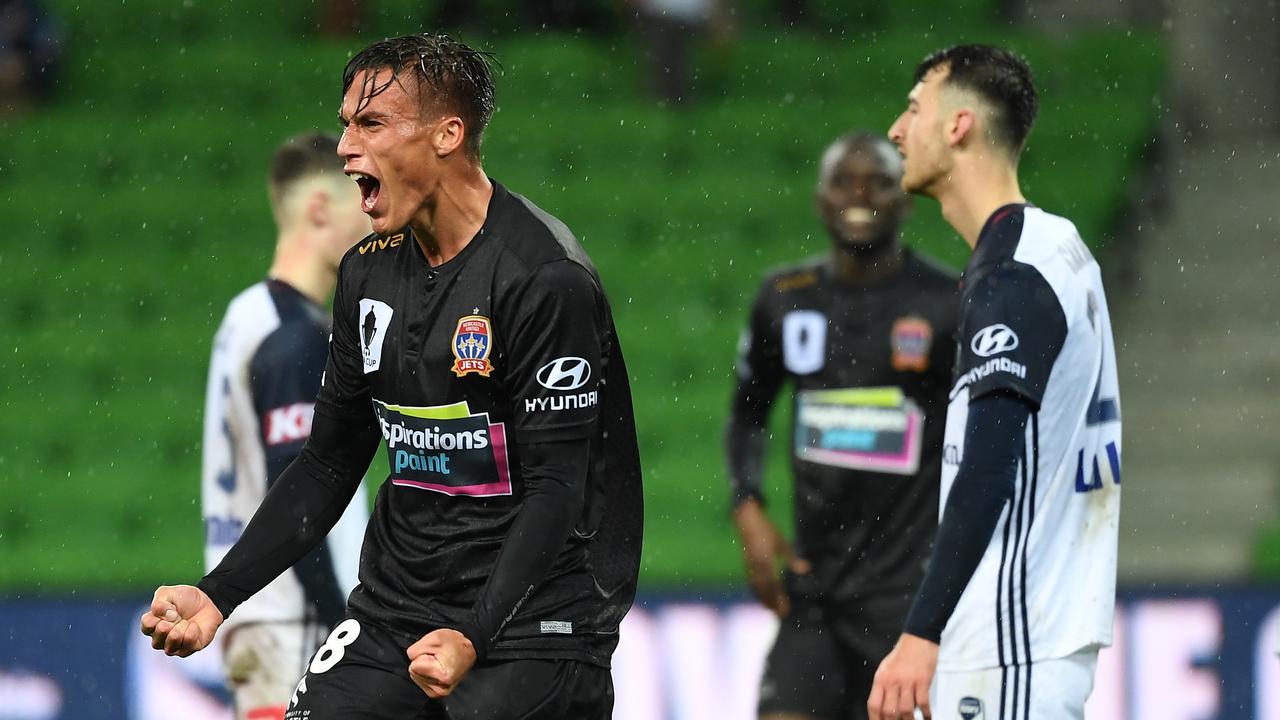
(472, 337)
(864, 335)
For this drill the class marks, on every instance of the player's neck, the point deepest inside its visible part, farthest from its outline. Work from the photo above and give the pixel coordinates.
(867, 266)
(974, 192)
(298, 263)
(454, 214)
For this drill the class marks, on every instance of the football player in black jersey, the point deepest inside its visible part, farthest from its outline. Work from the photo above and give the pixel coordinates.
(864, 335)
(472, 336)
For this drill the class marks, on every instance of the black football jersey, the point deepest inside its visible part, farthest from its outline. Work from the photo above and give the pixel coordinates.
(511, 342)
(870, 367)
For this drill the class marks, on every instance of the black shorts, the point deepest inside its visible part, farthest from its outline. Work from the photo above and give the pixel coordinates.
(362, 673)
(823, 663)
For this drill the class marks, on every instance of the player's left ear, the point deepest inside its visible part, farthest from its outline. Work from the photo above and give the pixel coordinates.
(317, 208)
(448, 136)
(960, 126)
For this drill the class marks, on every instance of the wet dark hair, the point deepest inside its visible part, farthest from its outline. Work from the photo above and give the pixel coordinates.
(448, 73)
(299, 157)
(999, 77)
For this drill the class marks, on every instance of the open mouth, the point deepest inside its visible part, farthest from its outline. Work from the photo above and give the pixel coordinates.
(858, 215)
(370, 187)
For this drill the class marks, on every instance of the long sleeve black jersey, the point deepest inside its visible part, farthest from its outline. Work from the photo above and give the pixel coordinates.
(513, 509)
(870, 367)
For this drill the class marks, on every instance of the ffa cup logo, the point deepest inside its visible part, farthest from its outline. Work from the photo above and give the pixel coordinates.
(472, 342)
(911, 339)
(375, 318)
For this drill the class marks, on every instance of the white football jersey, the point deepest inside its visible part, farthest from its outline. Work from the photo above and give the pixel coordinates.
(1034, 322)
(264, 373)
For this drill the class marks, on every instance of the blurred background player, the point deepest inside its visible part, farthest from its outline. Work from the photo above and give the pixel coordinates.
(865, 335)
(1020, 594)
(264, 374)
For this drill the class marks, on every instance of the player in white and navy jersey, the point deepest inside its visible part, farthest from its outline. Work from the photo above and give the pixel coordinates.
(1020, 592)
(264, 373)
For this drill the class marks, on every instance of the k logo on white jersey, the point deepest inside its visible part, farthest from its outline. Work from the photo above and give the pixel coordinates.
(290, 423)
(993, 340)
(375, 318)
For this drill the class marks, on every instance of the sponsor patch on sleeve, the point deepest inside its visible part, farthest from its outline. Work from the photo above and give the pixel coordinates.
(375, 318)
(570, 381)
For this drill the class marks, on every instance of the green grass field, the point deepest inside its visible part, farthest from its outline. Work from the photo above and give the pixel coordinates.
(135, 208)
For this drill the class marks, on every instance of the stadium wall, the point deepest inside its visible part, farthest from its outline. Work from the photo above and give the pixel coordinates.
(1180, 654)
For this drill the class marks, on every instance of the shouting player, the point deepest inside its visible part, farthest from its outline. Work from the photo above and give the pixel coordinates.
(1021, 588)
(865, 336)
(472, 336)
(263, 376)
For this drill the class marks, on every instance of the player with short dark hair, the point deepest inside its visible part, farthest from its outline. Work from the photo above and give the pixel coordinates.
(263, 376)
(1020, 593)
(1001, 79)
(864, 335)
(471, 334)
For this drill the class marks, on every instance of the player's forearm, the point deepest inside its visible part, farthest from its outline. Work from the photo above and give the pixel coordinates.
(744, 443)
(315, 571)
(295, 516)
(994, 439)
(301, 507)
(555, 477)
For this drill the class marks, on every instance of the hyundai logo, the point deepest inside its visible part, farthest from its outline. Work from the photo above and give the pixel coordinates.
(993, 340)
(566, 373)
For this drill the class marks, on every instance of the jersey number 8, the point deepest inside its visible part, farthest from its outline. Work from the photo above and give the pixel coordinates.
(335, 647)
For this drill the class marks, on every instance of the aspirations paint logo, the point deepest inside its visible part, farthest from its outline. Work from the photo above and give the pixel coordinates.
(868, 429)
(472, 343)
(445, 449)
(911, 339)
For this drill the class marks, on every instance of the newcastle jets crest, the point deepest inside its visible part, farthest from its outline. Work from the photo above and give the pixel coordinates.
(472, 343)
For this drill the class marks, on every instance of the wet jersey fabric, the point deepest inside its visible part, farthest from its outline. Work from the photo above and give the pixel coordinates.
(870, 367)
(264, 372)
(1035, 325)
(507, 348)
